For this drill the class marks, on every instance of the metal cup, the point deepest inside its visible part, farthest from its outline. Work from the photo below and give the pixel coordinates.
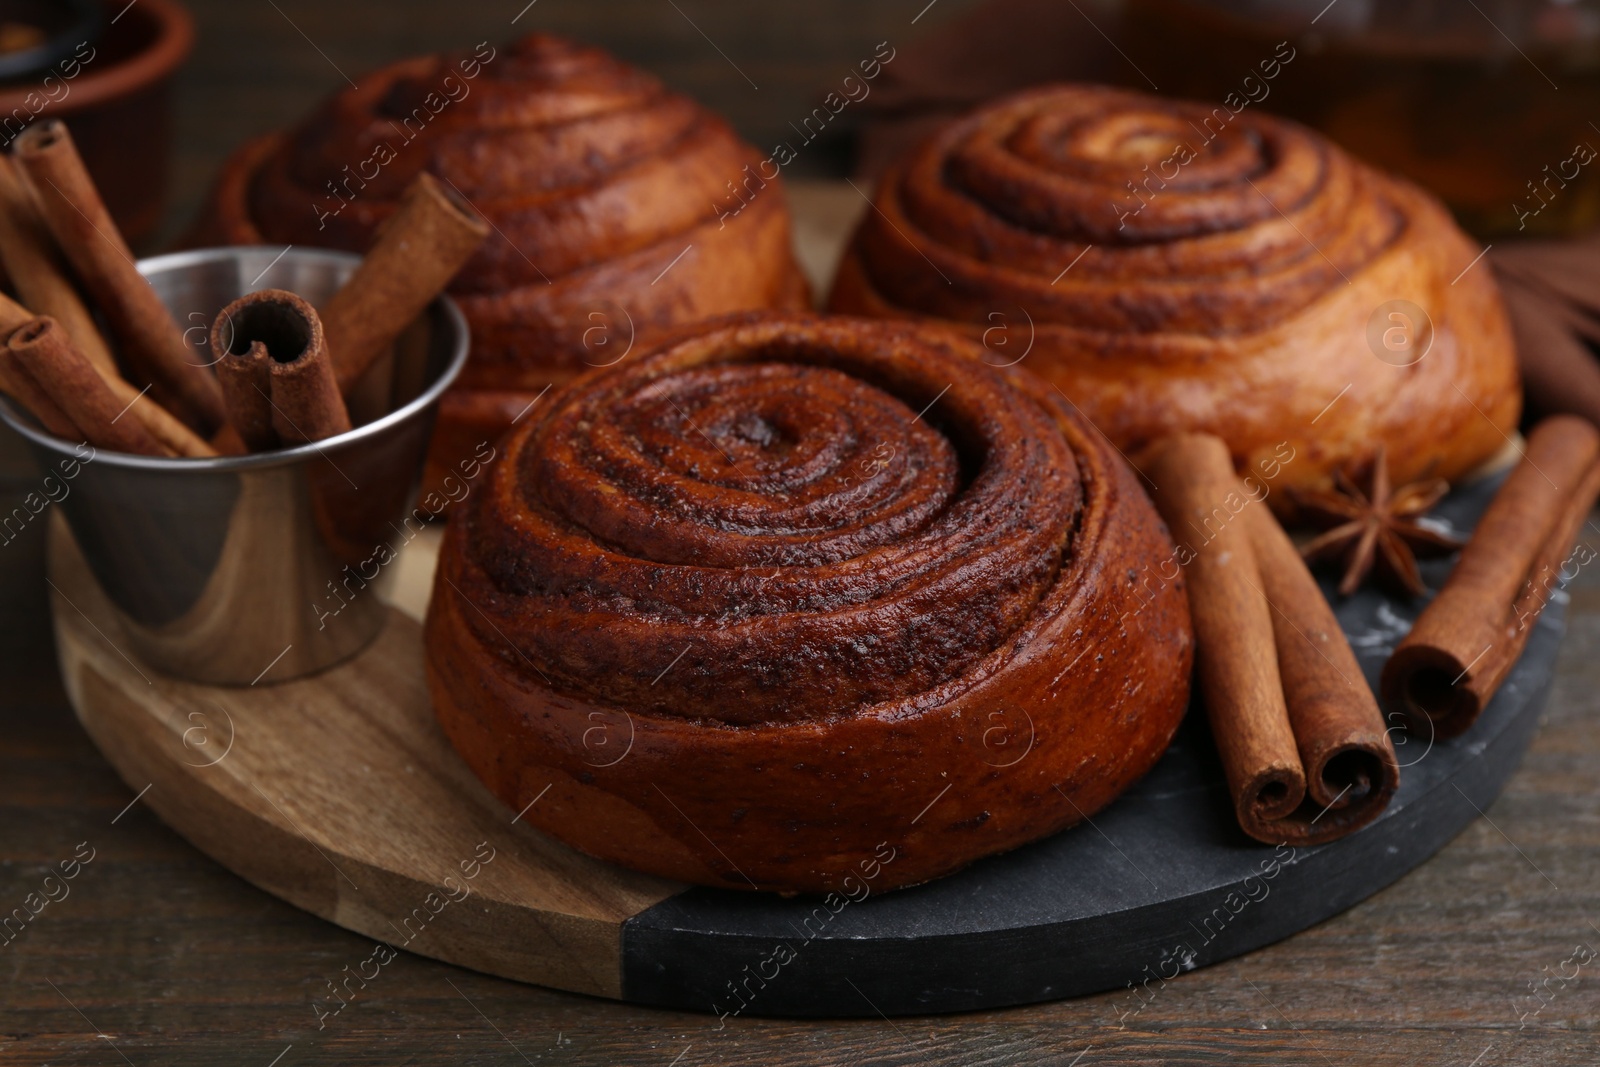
(219, 568)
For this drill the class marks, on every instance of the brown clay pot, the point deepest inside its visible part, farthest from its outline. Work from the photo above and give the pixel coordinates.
(115, 94)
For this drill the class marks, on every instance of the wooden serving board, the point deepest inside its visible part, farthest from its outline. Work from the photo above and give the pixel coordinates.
(339, 794)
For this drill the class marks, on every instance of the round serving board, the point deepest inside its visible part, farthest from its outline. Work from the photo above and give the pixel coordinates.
(339, 794)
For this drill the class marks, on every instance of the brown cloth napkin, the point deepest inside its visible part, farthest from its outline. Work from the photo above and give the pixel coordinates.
(1552, 290)
(996, 47)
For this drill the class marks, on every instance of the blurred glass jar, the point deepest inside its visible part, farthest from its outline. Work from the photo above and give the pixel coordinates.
(1492, 104)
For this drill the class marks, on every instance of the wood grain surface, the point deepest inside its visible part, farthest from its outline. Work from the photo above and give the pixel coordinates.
(175, 960)
(338, 793)
(159, 955)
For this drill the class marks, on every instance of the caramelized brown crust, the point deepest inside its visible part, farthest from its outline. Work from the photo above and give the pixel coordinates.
(1176, 267)
(595, 176)
(813, 585)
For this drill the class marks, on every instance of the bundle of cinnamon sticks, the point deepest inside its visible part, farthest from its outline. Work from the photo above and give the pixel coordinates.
(1303, 744)
(282, 372)
(55, 236)
(1302, 740)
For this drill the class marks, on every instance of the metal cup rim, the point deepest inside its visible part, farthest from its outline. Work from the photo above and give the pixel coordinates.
(13, 417)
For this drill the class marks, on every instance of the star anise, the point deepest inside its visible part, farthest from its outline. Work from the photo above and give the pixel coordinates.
(1375, 528)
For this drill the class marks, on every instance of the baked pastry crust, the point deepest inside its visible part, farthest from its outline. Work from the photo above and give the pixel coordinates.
(602, 186)
(790, 589)
(1172, 266)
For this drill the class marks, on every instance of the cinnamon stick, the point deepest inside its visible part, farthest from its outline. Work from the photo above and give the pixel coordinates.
(12, 314)
(1302, 740)
(19, 385)
(417, 251)
(1349, 761)
(1465, 642)
(83, 228)
(246, 380)
(176, 438)
(66, 376)
(227, 441)
(1198, 494)
(279, 331)
(36, 267)
(33, 262)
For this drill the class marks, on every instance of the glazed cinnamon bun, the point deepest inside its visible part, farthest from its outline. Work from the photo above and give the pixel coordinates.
(602, 187)
(1175, 266)
(789, 589)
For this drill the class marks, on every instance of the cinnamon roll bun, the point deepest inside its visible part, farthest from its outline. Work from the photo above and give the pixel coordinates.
(789, 590)
(1180, 267)
(600, 183)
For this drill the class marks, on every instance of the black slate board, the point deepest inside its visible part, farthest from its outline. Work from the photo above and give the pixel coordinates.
(1162, 882)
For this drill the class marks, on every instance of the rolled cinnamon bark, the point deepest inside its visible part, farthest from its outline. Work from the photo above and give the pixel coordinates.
(19, 385)
(65, 374)
(176, 438)
(1350, 767)
(83, 228)
(1199, 496)
(279, 331)
(12, 314)
(1444, 672)
(227, 440)
(34, 263)
(417, 251)
(246, 381)
(37, 268)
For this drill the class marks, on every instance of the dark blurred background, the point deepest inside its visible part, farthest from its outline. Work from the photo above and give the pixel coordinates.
(261, 65)
(1493, 105)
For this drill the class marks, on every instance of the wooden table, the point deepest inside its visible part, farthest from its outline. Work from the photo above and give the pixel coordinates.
(170, 958)
(158, 955)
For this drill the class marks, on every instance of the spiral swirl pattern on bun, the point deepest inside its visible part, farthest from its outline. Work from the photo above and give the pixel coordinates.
(812, 564)
(601, 185)
(1175, 266)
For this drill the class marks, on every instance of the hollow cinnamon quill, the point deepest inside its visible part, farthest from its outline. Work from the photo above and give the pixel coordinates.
(246, 381)
(164, 426)
(1197, 495)
(12, 315)
(417, 251)
(1465, 642)
(1302, 741)
(276, 336)
(1349, 761)
(63, 373)
(36, 267)
(34, 264)
(19, 385)
(77, 218)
